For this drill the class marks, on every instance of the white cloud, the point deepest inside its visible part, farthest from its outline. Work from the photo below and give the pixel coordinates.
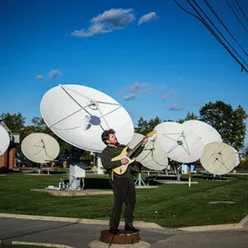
(129, 97)
(175, 107)
(117, 18)
(97, 28)
(54, 74)
(108, 21)
(137, 87)
(168, 95)
(147, 17)
(133, 90)
(39, 77)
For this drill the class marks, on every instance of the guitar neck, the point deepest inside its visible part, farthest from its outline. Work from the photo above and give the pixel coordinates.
(132, 151)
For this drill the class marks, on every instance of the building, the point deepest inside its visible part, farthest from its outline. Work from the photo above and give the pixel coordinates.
(8, 158)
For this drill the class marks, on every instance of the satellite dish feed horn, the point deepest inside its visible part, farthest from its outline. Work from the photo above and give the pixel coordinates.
(85, 122)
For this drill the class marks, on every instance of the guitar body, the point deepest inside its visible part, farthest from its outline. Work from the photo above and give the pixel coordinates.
(122, 169)
(125, 154)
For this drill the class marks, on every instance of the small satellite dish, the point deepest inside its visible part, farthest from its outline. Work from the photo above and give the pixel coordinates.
(79, 114)
(40, 147)
(4, 140)
(237, 157)
(206, 132)
(152, 156)
(218, 158)
(180, 145)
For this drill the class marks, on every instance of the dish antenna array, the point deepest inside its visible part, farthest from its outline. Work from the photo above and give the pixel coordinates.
(193, 140)
(79, 114)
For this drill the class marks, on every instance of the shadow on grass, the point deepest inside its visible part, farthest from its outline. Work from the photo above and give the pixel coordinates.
(5, 170)
(211, 177)
(103, 183)
(97, 183)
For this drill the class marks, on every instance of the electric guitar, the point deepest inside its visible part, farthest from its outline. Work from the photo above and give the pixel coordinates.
(125, 154)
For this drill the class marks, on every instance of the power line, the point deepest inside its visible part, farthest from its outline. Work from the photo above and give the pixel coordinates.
(215, 28)
(201, 19)
(213, 32)
(225, 26)
(187, 10)
(236, 16)
(241, 10)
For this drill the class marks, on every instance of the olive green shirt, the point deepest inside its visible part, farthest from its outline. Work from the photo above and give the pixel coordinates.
(110, 152)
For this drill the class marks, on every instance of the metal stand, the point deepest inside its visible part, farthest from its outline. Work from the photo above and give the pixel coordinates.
(140, 180)
(76, 179)
(176, 172)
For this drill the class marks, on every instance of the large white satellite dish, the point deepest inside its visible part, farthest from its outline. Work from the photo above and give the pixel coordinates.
(79, 114)
(206, 132)
(218, 158)
(40, 147)
(152, 156)
(4, 140)
(137, 137)
(180, 145)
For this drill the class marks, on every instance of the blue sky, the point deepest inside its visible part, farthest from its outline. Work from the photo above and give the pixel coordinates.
(152, 57)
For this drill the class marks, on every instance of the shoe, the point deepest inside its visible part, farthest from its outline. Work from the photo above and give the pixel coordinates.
(130, 228)
(114, 231)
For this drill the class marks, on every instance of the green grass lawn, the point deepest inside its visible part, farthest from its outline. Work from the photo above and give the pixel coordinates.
(168, 206)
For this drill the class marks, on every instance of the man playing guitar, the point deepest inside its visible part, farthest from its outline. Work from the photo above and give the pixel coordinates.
(122, 184)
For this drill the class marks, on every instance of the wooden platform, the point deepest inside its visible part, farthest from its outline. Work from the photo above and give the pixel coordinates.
(123, 238)
(100, 244)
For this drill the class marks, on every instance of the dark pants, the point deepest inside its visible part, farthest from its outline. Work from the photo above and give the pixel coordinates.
(124, 192)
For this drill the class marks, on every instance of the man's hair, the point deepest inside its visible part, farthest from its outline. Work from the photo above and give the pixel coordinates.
(105, 135)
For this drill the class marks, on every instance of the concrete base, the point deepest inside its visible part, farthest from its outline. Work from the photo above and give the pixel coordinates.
(174, 182)
(99, 244)
(83, 192)
(146, 187)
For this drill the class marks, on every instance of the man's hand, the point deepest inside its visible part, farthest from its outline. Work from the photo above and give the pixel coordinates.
(124, 161)
(144, 141)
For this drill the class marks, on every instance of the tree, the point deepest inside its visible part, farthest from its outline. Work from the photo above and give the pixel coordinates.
(15, 122)
(40, 125)
(28, 130)
(144, 127)
(239, 127)
(191, 116)
(228, 122)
